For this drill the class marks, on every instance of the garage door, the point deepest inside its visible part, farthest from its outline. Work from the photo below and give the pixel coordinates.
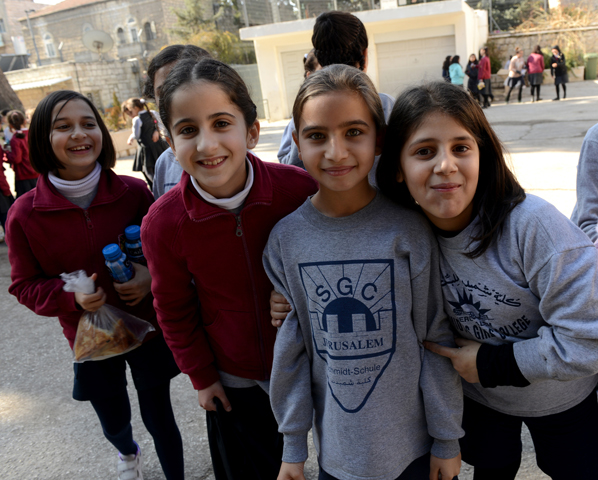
(292, 68)
(410, 61)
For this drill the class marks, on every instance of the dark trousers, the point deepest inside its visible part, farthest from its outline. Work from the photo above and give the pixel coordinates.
(245, 443)
(518, 94)
(419, 469)
(536, 90)
(564, 90)
(23, 186)
(566, 443)
(157, 415)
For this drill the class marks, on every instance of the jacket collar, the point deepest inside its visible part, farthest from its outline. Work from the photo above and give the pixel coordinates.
(199, 209)
(46, 197)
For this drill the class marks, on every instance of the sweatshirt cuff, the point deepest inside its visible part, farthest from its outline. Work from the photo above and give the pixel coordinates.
(66, 302)
(496, 366)
(295, 448)
(444, 449)
(204, 377)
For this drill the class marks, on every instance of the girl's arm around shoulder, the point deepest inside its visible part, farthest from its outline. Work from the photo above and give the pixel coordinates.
(585, 213)
(290, 384)
(561, 266)
(292, 181)
(439, 382)
(41, 294)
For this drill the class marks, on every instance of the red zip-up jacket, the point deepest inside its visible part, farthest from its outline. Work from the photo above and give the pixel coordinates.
(48, 235)
(484, 69)
(211, 292)
(18, 157)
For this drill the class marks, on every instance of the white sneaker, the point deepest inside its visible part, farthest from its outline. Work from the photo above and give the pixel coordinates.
(129, 466)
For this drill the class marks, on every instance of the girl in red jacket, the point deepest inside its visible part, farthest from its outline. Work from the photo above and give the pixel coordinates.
(18, 155)
(203, 241)
(79, 206)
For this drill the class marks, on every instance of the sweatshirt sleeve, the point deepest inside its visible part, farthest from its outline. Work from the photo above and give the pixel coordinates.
(290, 383)
(585, 214)
(176, 302)
(15, 155)
(567, 346)
(41, 294)
(439, 382)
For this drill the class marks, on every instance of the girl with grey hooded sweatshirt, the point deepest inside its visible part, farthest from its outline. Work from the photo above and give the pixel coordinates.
(520, 286)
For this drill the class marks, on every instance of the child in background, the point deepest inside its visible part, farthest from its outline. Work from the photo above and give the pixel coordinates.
(167, 171)
(520, 284)
(6, 200)
(203, 242)
(18, 154)
(362, 278)
(79, 206)
(147, 133)
(456, 71)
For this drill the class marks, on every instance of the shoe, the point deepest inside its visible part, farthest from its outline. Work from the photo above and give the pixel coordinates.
(533, 100)
(1, 234)
(129, 466)
(539, 99)
(556, 99)
(507, 102)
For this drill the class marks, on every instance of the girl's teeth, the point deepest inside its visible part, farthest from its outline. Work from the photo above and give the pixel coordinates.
(215, 162)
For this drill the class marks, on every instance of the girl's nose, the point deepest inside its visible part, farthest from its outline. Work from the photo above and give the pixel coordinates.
(336, 150)
(206, 143)
(77, 133)
(445, 164)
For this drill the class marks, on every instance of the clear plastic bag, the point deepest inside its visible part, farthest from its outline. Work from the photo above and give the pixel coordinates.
(106, 332)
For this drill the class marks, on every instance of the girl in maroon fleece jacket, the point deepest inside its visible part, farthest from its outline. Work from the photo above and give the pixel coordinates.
(78, 207)
(18, 155)
(203, 241)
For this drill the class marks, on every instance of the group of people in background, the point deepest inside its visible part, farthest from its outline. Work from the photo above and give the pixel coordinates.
(522, 72)
(417, 289)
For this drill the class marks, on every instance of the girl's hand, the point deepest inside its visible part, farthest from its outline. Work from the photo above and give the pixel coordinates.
(291, 471)
(206, 397)
(444, 469)
(137, 288)
(155, 136)
(463, 358)
(129, 142)
(279, 307)
(91, 301)
(554, 65)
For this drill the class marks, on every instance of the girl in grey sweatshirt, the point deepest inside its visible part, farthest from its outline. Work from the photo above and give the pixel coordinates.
(520, 286)
(362, 277)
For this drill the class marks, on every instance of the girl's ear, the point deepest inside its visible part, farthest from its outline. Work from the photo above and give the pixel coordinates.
(170, 143)
(400, 177)
(253, 135)
(296, 140)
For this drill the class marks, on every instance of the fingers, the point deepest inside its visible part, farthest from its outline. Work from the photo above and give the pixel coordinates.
(276, 323)
(209, 405)
(225, 403)
(465, 342)
(447, 352)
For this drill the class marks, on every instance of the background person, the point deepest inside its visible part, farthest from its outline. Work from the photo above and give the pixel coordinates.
(456, 71)
(472, 73)
(558, 70)
(485, 74)
(445, 69)
(18, 154)
(516, 74)
(535, 66)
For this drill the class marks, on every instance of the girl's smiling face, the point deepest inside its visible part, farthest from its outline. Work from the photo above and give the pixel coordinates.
(210, 138)
(76, 138)
(337, 141)
(440, 163)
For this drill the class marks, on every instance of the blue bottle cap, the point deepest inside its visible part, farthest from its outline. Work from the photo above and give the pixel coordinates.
(112, 252)
(133, 232)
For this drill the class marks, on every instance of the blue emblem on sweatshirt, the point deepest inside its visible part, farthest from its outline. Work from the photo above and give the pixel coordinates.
(353, 321)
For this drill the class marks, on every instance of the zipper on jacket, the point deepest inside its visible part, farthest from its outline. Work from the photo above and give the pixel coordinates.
(88, 219)
(239, 231)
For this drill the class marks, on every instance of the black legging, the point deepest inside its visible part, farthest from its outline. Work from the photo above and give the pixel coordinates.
(157, 415)
(511, 89)
(564, 90)
(505, 473)
(536, 89)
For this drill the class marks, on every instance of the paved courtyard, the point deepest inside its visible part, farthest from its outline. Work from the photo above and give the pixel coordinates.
(45, 435)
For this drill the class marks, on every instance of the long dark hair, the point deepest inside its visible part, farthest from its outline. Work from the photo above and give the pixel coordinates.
(339, 37)
(41, 153)
(209, 70)
(498, 191)
(455, 59)
(446, 63)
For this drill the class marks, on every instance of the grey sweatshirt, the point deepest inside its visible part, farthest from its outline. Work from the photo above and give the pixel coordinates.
(536, 287)
(167, 173)
(365, 293)
(585, 213)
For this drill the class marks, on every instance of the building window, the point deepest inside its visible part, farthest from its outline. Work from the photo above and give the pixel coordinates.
(87, 27)
(147, 30)
(2, 27)
(49, 43)
(120, 34)
(131, 23)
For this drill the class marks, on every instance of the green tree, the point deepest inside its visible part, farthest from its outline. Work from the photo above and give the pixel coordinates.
(508, 14)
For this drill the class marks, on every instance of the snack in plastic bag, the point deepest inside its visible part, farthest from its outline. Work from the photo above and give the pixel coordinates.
(106, 332)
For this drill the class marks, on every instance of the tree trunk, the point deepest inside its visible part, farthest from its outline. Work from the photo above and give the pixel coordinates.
(8, 97)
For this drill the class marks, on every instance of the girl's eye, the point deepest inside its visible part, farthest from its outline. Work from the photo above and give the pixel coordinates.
(461, 149)
(316, 136)
(423, 152)
(222, 123)
(353, 132)
(61, 127)
(186, 130)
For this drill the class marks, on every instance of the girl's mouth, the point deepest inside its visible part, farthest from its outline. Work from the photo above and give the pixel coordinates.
(80, 148)
(446, 187)
(212, 162)
(338, 171)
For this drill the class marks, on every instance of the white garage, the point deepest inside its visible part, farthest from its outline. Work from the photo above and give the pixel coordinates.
(406, 45)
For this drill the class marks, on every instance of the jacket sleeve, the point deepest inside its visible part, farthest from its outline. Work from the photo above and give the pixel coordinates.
(41, 294)
(585, 214)
(439, 382)
(176, 302)
(567, 346)
(290, 384)
(15, 156)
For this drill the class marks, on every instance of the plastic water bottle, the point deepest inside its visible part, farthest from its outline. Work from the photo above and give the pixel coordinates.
(118, 264)
(133, 244)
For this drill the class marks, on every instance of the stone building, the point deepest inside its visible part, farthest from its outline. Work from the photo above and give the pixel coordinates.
(11, 35)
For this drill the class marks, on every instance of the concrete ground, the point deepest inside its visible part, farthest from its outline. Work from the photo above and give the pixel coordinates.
(45, 435)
